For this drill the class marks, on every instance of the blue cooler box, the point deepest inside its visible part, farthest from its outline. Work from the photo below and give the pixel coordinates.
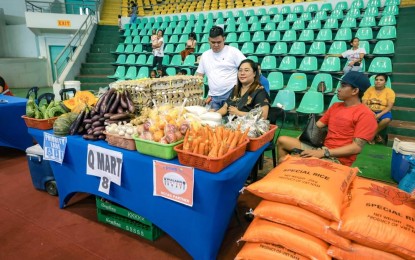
(400, 165)
(40, 170)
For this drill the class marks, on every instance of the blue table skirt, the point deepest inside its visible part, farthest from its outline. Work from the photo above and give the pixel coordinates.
(13, 130)
(199, 229)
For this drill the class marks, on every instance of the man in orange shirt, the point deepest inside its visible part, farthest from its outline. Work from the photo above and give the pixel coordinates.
(350, 124)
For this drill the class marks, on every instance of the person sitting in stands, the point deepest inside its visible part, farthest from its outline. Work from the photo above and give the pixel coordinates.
(153, 74)
(161, 72)
(248, 92)
(263, 80)
(190, 46)
(380, 100)
(133, 13)
(4, 89)
(350, 123)
(182, 72)
(354, 56)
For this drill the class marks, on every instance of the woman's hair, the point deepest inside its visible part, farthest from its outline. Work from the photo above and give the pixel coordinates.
(382, 75)
(352, 40)
(151, 71)
(162, 33)
(193, 35)
(254, 84)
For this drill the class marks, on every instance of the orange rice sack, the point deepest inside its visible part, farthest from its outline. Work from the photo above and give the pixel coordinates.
(264, 251)
(313, 184)
(264, 231)
(302, 220)
(379, 216)
(358, 252)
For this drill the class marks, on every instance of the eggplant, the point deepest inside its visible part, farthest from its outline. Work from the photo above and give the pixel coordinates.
(90, 137)
(110, 102)
(99, 102)
(115, 104)
(75, 124)
(130, 103)
(120, 116)
(123, 100)
(97, 123)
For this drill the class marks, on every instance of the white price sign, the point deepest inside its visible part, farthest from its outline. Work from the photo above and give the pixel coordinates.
(106, 164)
(54, 147)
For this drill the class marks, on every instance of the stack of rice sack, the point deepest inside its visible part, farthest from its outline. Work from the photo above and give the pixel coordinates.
(309, 212)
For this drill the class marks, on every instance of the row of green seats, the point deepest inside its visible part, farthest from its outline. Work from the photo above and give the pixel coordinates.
(143, 59)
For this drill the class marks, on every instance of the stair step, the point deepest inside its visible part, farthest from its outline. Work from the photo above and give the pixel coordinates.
(101, 55)
(99, 59)
(403, 67)
(94, 79)
(103, 48)
(403, 128)
(403, 77)
(403, 113)
(403, 87)
(391, 137)
(97, 71)
(403, 57)
(405, 100)
(96, 65)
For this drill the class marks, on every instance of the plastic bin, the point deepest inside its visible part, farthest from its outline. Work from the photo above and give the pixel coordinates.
(40, 170)
(399, 165)
(72, 84)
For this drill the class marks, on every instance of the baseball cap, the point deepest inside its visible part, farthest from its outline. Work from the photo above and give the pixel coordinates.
(357, 80)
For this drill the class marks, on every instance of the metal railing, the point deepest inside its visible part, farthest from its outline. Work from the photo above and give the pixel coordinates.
(63, 8)
(66, 55)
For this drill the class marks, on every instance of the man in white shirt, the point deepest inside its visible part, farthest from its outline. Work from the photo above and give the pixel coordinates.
(220, 64)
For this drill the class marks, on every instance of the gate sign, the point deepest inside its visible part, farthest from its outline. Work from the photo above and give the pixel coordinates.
(53, 147)
(106, 164)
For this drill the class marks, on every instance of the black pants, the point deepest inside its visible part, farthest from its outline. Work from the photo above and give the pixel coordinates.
(157, 61)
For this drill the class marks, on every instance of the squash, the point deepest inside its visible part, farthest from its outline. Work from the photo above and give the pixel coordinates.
(63, 123)
(80, 100)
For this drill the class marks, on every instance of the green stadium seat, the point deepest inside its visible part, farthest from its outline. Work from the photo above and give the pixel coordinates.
(343, 34)
(391, 10)
(331, 64)
(337, 14)
(184, 38)
(143, 72)
(371, 11)
(298, 25)
(386, 32)
(306, 17)
(250, 12)
(387, 20)
(276, 80)
(166, 60)
(328, 80)
(234, 44)
(141, 59)
(278, 18)
(269, 63)
(298, 9)
(365, 33)
(337, 47)
(297, 82)
(312, 8)
(128, 40)
(365, 45)
(138, 48)
(367, 21)
(311, 103)
(210, 16)
(150, 60)
(247, 48)
(242, 20)
(317, 48)
(120, 60)
(358, 4)
(265, 19)
(349, 22)
(230, 28)
(244, 37)
(120, 49)
(204, 47)
(286, 98)
(180, 47)
(255, 27)
(187, 30)
(231, 37)
(119, 73)
(289, 36)
(189, 61)
(143, 32)
(283, 26)
(308, 63)
(136, 40)
(274, 36)
(291, 18)
(205, 38)
(279, 48)
(273, 11)
(192, 17)
(178, 30)
(326, 7)
(288, 63)
(324, 35)
(259, 36)
(168, 31)
(269, 27)
(392, 2)
(334, 99)
(171, 71)
(176, 60)
(297, 48)
(373, 3)
(148, 26)
(341, 6)
(131, 27)
(320, 15)
(388, 82)
(252, 57)
(354, 13)
(306, 36)
(167, 19)
(206, 31)
(380, 65)
(130, 60)
(261, 12)
(198, 29)
(131, 73)
(314, 25)
(129, 49)
(169, 48)
(286, 9)
(331, 23)
(263, 48)
(174, 39)
(127, 33)
(253, 19)
(384, 47)
(228, 14)
(152, 20)
(145, 39)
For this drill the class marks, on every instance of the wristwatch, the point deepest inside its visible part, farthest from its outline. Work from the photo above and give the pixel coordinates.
(326, 153)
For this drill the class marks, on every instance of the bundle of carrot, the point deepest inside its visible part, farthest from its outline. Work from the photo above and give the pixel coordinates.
(213, 142)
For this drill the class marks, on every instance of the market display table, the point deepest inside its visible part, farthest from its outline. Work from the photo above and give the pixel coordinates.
(13, 130)
(199, 229)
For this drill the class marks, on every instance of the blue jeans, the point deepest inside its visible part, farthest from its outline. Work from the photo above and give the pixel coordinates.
(218, 101)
